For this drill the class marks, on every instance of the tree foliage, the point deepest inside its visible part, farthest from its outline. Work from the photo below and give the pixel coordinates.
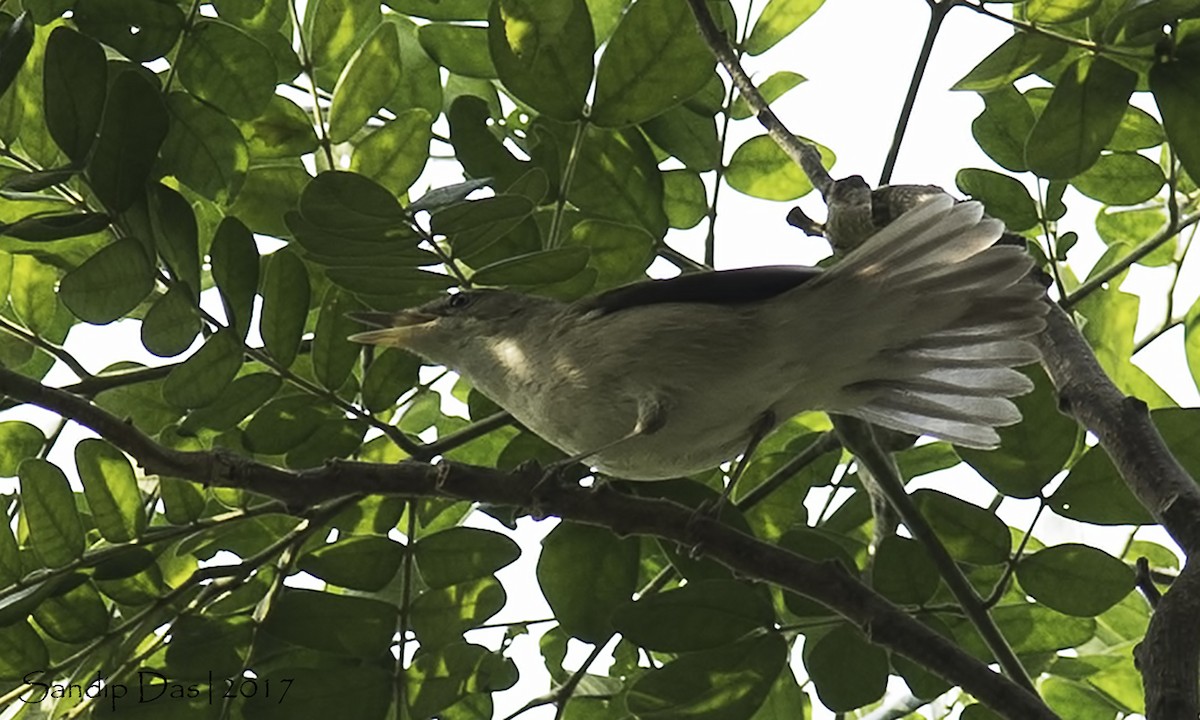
(235, 178)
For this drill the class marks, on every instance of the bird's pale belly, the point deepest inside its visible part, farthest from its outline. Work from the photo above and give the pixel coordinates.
(693, 438)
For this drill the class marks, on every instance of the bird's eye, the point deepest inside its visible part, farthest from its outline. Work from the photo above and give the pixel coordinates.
(459, 301)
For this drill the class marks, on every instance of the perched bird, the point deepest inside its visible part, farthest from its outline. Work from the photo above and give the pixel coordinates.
(917, 328)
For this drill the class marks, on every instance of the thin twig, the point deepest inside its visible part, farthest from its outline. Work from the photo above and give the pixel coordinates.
(937, 13)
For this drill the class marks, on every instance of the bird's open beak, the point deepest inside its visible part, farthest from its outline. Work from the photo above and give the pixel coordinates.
(393, 328)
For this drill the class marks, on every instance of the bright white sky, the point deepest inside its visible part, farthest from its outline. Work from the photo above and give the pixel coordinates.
(857, 56)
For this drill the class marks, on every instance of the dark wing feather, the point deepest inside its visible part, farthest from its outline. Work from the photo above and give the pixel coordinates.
(720, 287)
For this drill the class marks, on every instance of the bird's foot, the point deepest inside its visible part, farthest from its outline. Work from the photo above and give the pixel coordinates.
(550, 478)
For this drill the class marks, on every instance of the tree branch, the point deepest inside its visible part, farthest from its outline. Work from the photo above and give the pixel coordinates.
(802, 153)
(1169, 656)
(1123, 426)
(937, 13)
(859, 439)
(826, 582)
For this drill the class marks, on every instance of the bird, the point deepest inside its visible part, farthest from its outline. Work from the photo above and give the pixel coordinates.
(918, 328)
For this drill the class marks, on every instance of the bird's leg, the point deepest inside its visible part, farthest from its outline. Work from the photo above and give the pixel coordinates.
(758, 431)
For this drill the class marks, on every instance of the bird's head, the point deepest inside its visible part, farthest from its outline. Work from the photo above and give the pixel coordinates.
(446, 330)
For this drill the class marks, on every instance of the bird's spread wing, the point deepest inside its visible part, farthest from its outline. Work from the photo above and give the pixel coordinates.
(721, 287)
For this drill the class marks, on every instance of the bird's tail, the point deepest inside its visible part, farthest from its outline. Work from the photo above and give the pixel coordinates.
(941, 315)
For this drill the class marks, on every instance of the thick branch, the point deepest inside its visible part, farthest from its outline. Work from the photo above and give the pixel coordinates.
(825, 582)
(802, 153)
(1167, 657)
(1123, 426)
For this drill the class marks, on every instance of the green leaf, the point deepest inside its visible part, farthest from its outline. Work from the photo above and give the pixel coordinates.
(171, 324)
(1080, 118)
(234, 262)
(11, 567)
(971, 534)
(46, 228)
(176, 236)
(1176, 87)
(616, 177)
(388, 377)
(354, 206)
(21, 648)
(395, 155)
(201, 378)
(335, 29)
(388, 288)
(773, 88)
(903, 571)
(618, 253)
(286, 296)
(1002, 127)
(442, 9)
(1020, 55)
(827, 660)
(110, 284)
(543, 53)
(1075, 700)
(441, 615)
(111, 489)
(778, 20)
(1124, 178)
(1191, 341)
(442, 678)
(1032, 452)
(366, 84)
(1138, 130)
(1075, 579)
(241, 397)
(132, 128)
(1003, 197)
(461, 554)
(355, 627)
(649, 65)
(32, 293)
(472, 226)
(19, 441)
(760, 169)
(225, 66)
(704, 614)
(688, 135)
(75, 77)
(48, 508)
(461, 49)
(685, 199)
(724, 683)
(364, 562)
(15, 45)
(1093, 491)
(201, 644)
(333, 356)
(282, 130)
(1059, 11)
(537, 268)
(204, 149)
(584, 595)
(333, 438)
(141, 30)
(267, 193)
(421, 82)
(283, 424)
